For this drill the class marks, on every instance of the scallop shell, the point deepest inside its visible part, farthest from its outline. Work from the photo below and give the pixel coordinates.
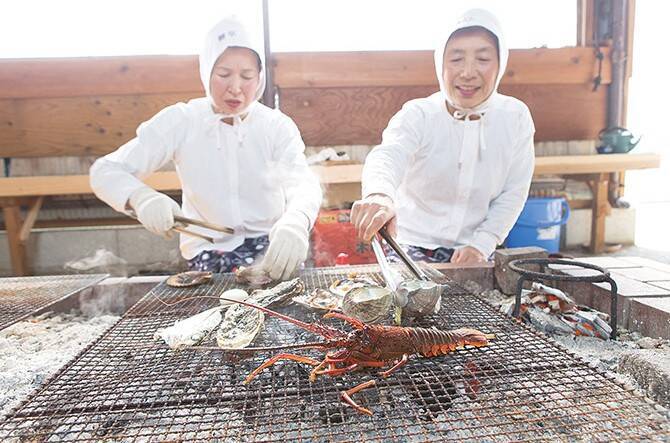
(189, 278)
(368, 303)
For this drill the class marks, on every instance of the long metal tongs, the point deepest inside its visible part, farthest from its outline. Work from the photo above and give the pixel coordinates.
(418, 273)
(181, 222)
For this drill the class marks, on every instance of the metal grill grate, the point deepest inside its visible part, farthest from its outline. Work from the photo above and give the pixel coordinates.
(521, 387)
(20, 297)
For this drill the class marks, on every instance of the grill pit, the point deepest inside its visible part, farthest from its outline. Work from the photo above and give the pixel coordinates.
(521, 387)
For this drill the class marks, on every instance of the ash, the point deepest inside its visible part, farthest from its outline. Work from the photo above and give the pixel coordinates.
(33, 350)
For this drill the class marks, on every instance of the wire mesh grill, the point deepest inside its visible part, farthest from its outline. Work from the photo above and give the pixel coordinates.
(521, 387)
(20, 297)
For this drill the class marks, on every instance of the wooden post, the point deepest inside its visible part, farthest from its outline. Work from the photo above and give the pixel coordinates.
(601, 208)
(17, 248)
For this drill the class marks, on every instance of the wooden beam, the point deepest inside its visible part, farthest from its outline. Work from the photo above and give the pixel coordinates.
(573, 65)
(96, 76)
(30, 219)
(346, 116)
(169, 181)
(589, 164)
(585, 22)
(17, 249)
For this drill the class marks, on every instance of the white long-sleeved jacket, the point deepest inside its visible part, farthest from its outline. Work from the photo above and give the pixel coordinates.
(244, 176)
(448, 191)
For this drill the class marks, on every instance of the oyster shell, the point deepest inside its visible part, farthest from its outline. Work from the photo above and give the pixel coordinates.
(420, 297)
(342, 286)
(253, 276)
(190, 331)
(233, 294)
(189, 278)
(320, 299)
(240, 326)
(368, 303)
(241, 323)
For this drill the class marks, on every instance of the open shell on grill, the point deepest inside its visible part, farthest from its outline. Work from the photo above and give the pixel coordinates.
(368, 304)
(189, 278)
(342, 286)
(422, 297)
(252, 276)
(320, 299)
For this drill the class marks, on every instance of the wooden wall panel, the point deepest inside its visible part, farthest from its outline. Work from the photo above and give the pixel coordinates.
(410, 68)
(72, 77)
(340, 116)
(78, 125)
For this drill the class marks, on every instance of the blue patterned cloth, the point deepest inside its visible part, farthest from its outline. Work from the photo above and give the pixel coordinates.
(416, 253)
(222, 261)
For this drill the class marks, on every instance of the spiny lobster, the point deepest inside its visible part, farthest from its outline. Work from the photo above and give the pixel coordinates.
(368, 346)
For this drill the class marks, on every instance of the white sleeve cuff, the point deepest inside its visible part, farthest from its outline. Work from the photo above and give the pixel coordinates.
(484, 242)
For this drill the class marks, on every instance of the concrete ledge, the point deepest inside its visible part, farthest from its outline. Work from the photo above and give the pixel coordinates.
(482, 273)
(651, 371)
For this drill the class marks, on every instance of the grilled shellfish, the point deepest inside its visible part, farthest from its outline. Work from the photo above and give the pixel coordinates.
(368, 304)
(189, 278)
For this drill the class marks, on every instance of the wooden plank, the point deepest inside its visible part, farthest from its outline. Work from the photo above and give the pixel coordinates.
(342, 116)
(94, 125)
(71, 77)
(345, 116)
(169, 181)
(416, 68)
(17, 249)
(563, 112)
(73, 184)
(589, 164)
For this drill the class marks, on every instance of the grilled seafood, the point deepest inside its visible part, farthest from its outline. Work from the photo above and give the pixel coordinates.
(421, 297)
(342, 286)
(368, 304)
(241, 324)
(320, 299)
(369, 346)
(190, 331)
(189, 278)
(253, 276)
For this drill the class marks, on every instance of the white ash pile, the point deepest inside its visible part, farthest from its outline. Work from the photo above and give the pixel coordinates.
(32, 350)
(552, 311)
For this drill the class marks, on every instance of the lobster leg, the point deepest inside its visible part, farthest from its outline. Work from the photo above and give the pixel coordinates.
(352, 321)
(275, 359)
(346, 396)
(399, 364)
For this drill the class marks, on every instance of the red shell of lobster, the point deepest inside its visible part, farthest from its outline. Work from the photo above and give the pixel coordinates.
(368, 346)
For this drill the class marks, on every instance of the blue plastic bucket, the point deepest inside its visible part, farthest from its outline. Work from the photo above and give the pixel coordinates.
(540, 224)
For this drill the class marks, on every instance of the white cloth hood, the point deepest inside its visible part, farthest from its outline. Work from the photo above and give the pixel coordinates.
(228, 32)
(473, 17)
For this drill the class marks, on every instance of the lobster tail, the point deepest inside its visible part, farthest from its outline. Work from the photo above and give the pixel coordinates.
(432, 342)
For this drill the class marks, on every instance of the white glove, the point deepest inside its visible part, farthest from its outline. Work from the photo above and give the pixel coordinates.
(289, 241)
(154, 210)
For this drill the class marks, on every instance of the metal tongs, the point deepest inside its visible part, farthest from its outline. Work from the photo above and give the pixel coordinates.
(181, 222)
(419, 297)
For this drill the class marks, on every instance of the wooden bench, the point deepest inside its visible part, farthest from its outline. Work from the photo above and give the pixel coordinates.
(31, 191)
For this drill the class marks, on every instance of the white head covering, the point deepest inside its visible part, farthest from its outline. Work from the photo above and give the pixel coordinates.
(228, 32)
(473, 17)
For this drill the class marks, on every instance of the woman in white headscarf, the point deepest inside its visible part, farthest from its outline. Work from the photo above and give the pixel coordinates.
(453, 170)
(240, 163)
